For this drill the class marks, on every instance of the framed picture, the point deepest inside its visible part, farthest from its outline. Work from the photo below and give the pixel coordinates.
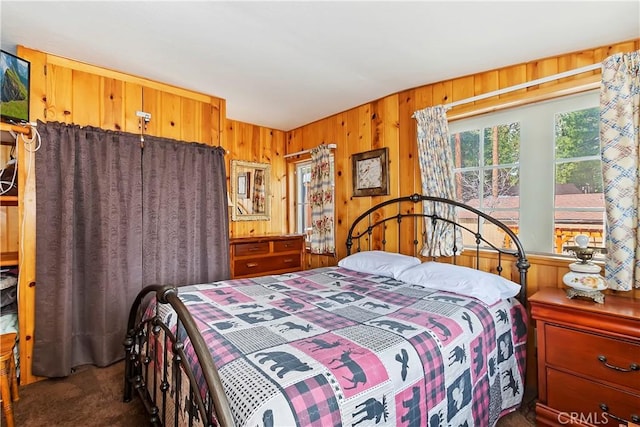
(370, 176)
(242, 185)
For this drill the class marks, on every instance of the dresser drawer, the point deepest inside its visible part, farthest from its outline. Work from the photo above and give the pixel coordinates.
(251, 248)
(581, 352)
(266, 264)
(572, 394)
(287, 245)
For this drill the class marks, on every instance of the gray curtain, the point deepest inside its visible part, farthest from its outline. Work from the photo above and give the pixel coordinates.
(88, 245)
(186, 225)
(112, 218)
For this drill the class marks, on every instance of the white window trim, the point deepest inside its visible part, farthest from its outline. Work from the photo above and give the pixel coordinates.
(537, 164)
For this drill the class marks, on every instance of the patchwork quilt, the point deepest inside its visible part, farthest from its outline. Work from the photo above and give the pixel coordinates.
(335, 347)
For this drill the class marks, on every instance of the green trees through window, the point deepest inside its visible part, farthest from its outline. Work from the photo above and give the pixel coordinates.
(537, 168)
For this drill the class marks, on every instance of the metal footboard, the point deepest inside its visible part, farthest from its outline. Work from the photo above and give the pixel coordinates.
(156, 365)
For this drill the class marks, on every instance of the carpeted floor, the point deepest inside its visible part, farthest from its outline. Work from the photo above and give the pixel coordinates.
(93, 397)
(90, 397)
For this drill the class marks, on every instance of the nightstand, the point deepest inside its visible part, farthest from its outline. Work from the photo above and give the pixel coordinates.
(588, 360)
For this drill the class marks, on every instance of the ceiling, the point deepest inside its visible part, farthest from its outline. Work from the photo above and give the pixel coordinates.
(285, 64)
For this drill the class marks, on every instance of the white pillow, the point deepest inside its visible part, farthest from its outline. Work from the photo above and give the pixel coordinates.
(487, 287)
(382, 263)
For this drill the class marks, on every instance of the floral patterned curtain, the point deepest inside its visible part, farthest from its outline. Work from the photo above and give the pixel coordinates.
(619, 118)
(259, 191)
(321, 199)
(436, 169)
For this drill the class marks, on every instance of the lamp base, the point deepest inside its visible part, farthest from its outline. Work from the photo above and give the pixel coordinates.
(596, 296)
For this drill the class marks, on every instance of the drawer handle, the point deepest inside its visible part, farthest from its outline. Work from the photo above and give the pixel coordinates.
(287, 245)
(255, 248)
(252, 264)
(605, 408)
(286, 260)
(632, 367)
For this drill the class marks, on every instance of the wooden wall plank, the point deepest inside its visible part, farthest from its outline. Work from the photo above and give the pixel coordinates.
(168, 116)
(37, 83)
(511, 76)
(59, 94)
(190, 120)
(132, 103)
(112, 116)
(152, 104)
(462, 88)
(86, 100)
(486, 82)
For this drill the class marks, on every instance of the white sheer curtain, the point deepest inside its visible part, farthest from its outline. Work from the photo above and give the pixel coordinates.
(619, 118)
(321, 199)
(436, 170)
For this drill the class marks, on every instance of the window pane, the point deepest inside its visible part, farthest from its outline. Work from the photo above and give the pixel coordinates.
(579, 177)
(467, 187)
(501, 184)
(569, 224)
(303, 207)
(465, 147)
(578, 199)
(502, 144)
(577, 133)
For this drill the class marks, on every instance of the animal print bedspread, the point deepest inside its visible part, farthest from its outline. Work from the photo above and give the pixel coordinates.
(331, 346)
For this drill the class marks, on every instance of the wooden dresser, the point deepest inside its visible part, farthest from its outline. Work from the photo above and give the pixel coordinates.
(266, 254)
(588, 360)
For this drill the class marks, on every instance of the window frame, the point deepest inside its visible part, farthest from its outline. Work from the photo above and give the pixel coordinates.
(295, 166)
(537, 164)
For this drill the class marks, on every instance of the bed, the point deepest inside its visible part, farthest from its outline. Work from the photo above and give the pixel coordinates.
(384, 338)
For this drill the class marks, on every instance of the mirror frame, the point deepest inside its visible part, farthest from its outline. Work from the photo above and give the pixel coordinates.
(236, 167)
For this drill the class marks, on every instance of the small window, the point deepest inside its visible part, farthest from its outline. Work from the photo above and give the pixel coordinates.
(303, 207)
(302, 203)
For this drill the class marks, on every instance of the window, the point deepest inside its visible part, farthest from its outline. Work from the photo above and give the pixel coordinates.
(302, 203)
(303, 207)
(536, 168)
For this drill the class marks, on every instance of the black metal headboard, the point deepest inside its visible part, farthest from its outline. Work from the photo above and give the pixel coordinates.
(385, 216)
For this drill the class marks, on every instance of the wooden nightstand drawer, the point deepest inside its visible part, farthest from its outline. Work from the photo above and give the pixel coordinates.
(266, 264)
(573, 378)
(287, 245)
(572, 394)
(594, 356)
(252, 248)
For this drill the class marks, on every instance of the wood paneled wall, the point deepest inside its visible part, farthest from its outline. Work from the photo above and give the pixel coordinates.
(69, 91)
(387, 122)
(72, 92)
(251, 143)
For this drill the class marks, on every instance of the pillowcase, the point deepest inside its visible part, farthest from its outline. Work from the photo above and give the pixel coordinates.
(382, 263)
(487, 287)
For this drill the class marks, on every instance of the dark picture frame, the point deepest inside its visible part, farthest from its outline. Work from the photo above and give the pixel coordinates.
(370, 175)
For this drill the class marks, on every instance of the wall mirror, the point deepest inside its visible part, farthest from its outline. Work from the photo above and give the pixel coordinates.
(250, 191)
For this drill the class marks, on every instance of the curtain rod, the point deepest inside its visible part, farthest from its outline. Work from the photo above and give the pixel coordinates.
(522, 85)
(306, 151)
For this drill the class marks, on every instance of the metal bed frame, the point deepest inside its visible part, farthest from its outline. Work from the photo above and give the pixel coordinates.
(176, 390)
